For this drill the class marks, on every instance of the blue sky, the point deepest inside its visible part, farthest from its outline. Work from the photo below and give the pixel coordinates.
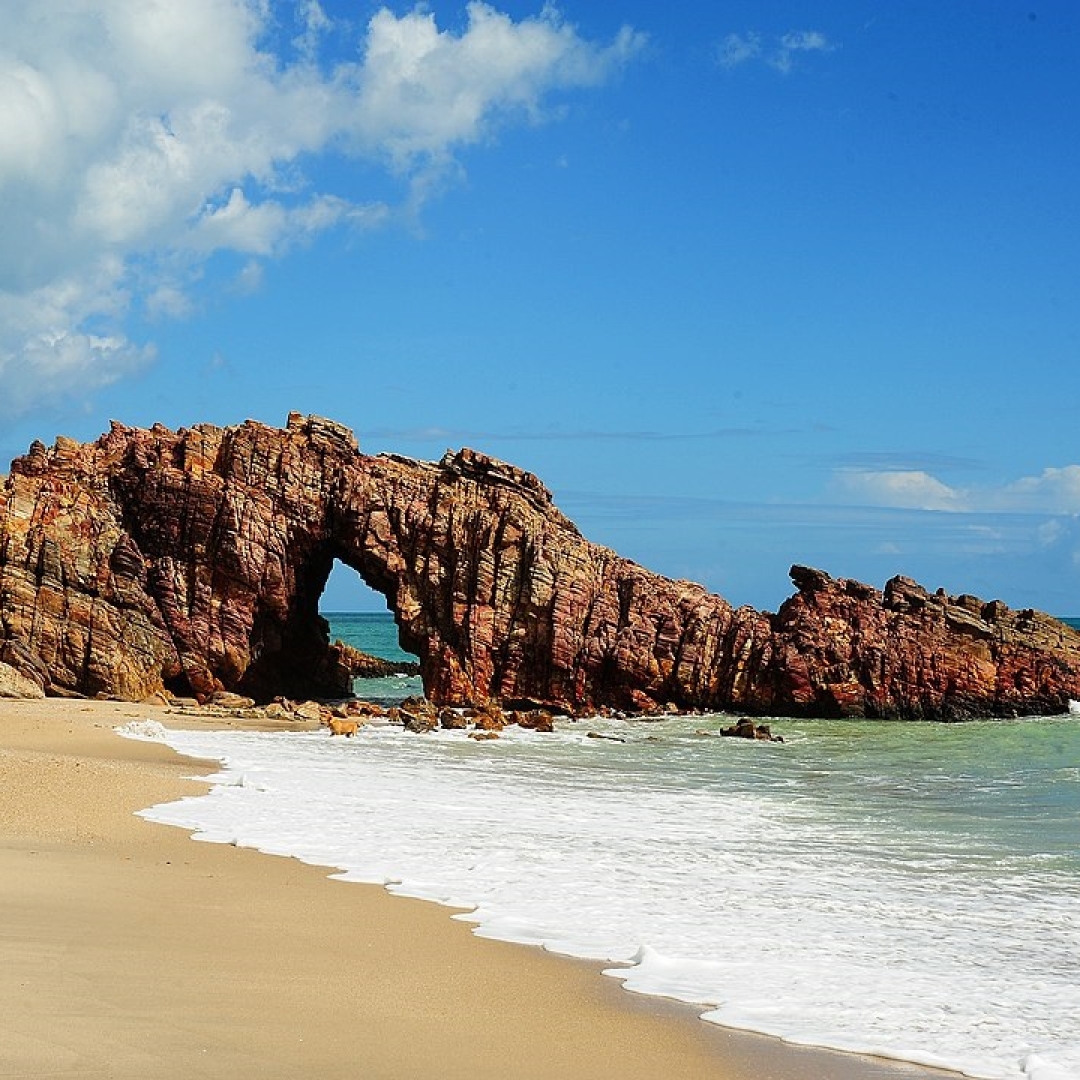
(745, 284)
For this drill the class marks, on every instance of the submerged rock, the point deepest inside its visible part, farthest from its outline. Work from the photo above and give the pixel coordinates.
(747, 729)
(192, 562)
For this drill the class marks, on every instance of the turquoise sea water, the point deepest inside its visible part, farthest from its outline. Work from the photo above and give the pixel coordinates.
(373, 632)
(376, 634)
(898, 888)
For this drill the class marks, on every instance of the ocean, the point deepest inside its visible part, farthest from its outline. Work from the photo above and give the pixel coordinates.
(909, 890)
(376, 634)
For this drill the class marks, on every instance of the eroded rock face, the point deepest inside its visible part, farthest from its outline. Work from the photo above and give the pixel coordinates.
(193, 561)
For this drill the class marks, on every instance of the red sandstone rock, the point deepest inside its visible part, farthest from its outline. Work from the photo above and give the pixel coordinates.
(193, 561)
(533, 719)
(355, 664)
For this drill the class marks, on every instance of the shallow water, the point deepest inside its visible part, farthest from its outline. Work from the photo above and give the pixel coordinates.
(903, 889)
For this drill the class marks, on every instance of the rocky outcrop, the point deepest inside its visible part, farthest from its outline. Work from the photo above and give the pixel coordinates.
(361, 665)
(747, 729)
(13, 684)
(192, 562)
(845, 649)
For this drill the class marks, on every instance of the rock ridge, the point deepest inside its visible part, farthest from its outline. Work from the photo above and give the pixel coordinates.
(192, 563)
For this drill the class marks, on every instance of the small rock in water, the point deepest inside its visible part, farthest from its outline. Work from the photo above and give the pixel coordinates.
(534, 720)
(747, 729)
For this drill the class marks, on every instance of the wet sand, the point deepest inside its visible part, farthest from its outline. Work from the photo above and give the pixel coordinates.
(127, 950)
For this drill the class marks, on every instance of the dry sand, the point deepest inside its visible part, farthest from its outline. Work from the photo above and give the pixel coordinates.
(127, 950)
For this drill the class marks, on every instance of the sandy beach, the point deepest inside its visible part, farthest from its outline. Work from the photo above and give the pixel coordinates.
(128, 950)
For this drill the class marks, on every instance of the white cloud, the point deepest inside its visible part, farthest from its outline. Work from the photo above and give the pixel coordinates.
(250, 278)
(422, 91)
(310, 15)
(910, 489)
(1053, 491)
(55, 343)
(737, 49)
(798, 42)
(137, 137)
(1050, 533)
(168, 300)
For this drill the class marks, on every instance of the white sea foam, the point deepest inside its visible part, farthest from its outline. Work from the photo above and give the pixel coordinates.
(814, 890)
(147, 730)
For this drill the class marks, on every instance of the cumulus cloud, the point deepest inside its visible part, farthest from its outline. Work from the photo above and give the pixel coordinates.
(421, 90)
(910, 489)
(1053, 491)
(737, 49)
(139, 138)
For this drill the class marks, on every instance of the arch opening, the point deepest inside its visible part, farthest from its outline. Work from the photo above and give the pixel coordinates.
(347, 591)
(314, 651)
(359, 617)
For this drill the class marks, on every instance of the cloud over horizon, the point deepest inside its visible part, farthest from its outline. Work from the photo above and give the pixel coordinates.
(1054, 491)
(138, 140)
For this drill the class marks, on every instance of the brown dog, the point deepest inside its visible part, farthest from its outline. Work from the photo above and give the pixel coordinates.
(348, 728)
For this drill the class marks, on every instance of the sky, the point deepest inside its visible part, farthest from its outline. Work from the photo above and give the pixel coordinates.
(745, 284)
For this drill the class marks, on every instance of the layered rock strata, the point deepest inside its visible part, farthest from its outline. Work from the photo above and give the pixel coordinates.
(193, 561)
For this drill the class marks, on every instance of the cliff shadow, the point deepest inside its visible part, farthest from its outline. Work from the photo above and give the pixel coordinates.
(298, 656)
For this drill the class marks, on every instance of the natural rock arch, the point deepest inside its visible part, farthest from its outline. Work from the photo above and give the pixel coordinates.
(194, 561)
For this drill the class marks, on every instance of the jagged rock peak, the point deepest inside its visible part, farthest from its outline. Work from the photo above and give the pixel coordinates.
(320, 430)
(478, 466)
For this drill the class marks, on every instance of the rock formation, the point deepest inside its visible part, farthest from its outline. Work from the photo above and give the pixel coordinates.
(193, 561)
(360, 665)
(747, 729)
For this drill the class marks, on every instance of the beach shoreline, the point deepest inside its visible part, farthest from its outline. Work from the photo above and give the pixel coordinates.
(128, 950)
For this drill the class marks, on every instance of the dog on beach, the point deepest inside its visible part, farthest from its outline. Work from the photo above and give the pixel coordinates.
(348, 728)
